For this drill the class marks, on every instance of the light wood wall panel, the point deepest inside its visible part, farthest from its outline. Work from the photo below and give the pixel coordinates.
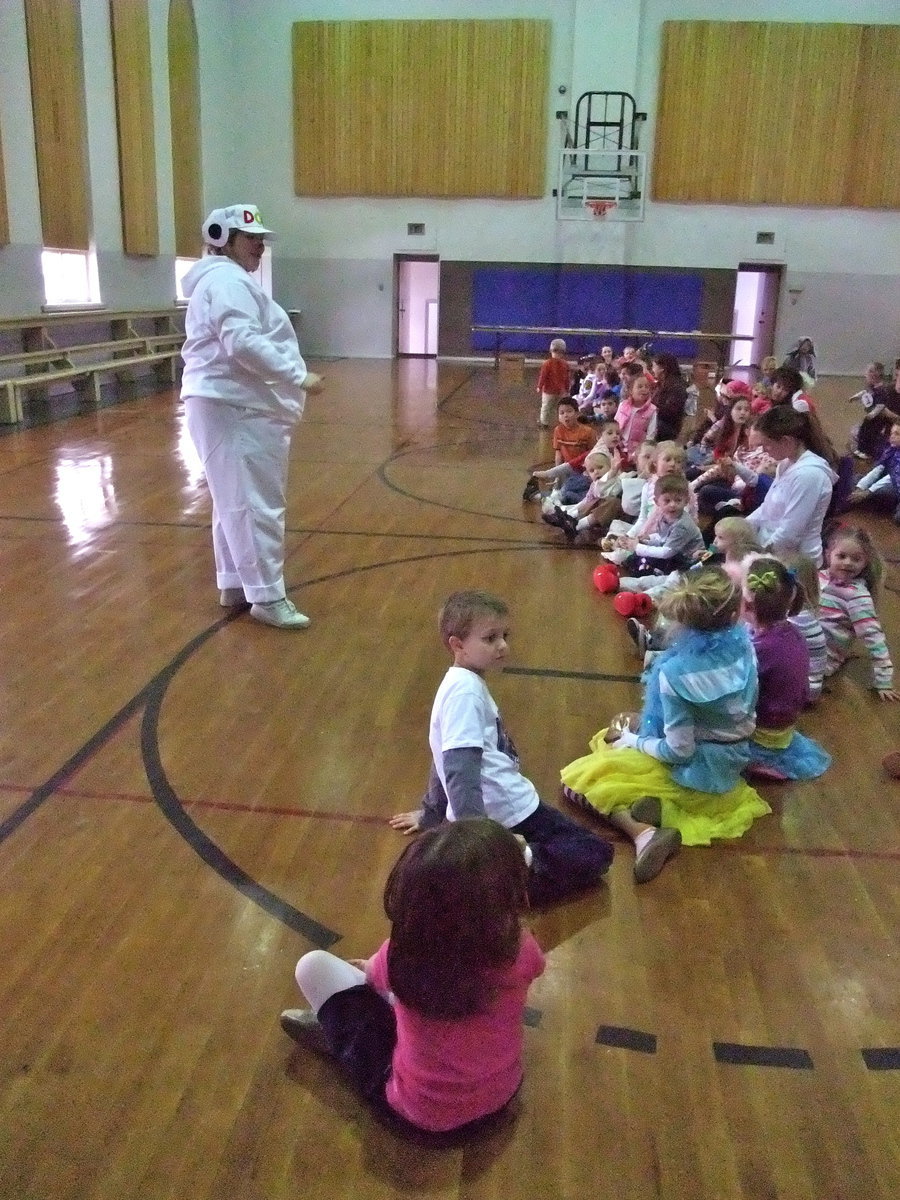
(874, 180)
(773, 113)
(60, 128)
(420, 108)
(4, 211)
(134, 125)
(184, 105)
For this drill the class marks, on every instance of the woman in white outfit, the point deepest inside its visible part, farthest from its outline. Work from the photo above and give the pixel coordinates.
(244, 387)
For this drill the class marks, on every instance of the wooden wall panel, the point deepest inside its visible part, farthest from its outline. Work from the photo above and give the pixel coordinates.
(874, 178)
(4, 211)
(57, 97)
(770, 113)
(134, 123)
(184, 105)
(420, 108)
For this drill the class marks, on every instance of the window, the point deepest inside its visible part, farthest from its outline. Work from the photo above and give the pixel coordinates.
(182, 266)
(70, 277)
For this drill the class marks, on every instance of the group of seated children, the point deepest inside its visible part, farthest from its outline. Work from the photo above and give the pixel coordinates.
(603, 388)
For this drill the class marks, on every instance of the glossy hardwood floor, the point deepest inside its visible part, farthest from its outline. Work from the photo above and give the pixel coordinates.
(188, 802)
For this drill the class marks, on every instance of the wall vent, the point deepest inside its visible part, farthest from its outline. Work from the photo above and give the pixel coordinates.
(765, 239)
(415, 229)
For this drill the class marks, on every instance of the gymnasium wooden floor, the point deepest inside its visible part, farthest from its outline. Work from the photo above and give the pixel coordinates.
(190, 801)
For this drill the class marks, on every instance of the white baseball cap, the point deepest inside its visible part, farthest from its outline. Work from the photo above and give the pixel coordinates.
(243, 217)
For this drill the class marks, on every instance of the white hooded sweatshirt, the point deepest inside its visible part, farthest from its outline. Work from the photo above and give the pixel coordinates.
(240, 346)
(791, 515)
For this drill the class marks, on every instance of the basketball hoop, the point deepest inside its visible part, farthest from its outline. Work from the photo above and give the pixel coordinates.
(599, 208)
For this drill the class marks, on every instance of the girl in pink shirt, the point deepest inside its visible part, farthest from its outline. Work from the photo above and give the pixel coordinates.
(430, 1027)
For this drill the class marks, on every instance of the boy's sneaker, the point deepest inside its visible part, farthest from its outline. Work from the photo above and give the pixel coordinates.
(302, 1025)
(532, 489)
(551, 517)
(729, 506)
(639, 635)
(280, 613)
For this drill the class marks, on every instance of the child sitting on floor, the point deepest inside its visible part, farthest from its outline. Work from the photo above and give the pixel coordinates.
(591, 516)
(678, 776)
(849, 587)
(674, 539)
(882, 483)
(777, 749)
(475, 765)
(571, 440)
(429, 1028)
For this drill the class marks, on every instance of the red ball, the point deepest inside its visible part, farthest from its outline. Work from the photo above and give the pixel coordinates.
(625, 604)
(606, 578)
(643, 605)
(891, 764)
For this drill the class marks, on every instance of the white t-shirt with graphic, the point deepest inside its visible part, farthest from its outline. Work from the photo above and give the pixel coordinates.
(463, 716)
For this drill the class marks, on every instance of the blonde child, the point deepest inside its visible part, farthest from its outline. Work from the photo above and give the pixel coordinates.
(429, 1029)
(850, 585)
(692, 741)
(592, 516)
(670, 542)
(777, 749)
(553, 381)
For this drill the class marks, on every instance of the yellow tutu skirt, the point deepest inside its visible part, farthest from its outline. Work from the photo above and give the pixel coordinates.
(611, 780)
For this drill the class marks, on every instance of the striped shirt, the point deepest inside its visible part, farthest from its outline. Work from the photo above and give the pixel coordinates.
(847, 611)
(811, 627)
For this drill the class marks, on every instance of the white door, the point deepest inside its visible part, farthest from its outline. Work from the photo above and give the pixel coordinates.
(418, 283)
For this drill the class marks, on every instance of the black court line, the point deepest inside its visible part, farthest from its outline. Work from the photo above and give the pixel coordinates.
(588, 676)
(883, 1058)
(203, 845)
(736, 1054)
(622, 1038)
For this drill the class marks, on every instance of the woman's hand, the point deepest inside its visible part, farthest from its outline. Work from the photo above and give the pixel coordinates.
(887, 694)
(313, 384)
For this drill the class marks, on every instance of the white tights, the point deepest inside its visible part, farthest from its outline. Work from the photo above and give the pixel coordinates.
(320, 974)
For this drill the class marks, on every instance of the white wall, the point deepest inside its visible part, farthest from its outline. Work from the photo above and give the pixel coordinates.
(333, 258)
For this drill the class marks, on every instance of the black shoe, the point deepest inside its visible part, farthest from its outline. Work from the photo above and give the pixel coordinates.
(532, 489)
(552, 518)
(568, 524)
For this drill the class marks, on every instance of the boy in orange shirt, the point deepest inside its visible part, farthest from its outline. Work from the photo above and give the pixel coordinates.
(553, 381)
(571, 441)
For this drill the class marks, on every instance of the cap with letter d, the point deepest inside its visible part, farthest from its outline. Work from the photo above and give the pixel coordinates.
(243, 217)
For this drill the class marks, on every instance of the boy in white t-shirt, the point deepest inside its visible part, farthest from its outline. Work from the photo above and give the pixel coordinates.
(475, 766)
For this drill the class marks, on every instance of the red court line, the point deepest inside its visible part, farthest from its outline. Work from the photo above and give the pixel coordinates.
(736, 846)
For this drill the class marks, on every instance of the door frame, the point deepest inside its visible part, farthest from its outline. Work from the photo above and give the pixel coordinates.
(402, 257)
(765, 268)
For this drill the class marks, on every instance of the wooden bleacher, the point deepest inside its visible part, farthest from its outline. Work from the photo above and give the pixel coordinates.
(40, 362)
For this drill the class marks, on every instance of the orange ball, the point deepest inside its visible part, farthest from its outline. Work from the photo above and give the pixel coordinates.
(606, 578)
(891, 764)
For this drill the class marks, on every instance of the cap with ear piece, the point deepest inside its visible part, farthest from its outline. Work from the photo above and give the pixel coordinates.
(243, 217)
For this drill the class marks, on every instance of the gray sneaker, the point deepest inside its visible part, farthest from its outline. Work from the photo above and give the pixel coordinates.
(280, 613)
(656, 854)
(302, 1025)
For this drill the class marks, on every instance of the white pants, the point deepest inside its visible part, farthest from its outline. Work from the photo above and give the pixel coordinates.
(245, 457)
(549, 404)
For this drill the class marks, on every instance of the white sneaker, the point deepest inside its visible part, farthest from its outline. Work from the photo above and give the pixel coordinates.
(280, 613)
